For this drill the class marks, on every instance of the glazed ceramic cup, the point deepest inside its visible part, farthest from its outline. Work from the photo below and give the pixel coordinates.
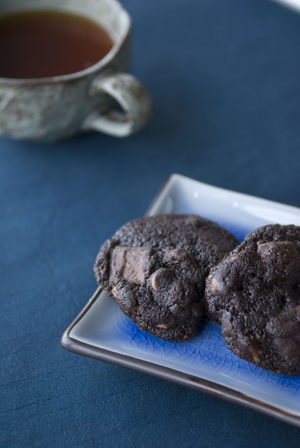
(49, 109)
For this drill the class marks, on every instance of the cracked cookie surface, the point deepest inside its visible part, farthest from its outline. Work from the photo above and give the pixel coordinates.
(155, 267)
(254, 293)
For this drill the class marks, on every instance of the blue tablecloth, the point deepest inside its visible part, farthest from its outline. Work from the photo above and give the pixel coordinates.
(225, 80)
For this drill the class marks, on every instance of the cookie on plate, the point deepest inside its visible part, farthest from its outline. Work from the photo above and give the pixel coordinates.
(156, 267)
(254, 293)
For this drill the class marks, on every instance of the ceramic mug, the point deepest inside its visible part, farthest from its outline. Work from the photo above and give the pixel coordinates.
(49, 109)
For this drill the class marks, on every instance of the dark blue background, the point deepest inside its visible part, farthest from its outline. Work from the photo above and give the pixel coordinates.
(225, 79)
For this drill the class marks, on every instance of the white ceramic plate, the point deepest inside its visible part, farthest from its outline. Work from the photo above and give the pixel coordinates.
(294, 4)
(103, 332)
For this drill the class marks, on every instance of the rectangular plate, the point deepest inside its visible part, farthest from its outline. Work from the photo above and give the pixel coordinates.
(204, 363)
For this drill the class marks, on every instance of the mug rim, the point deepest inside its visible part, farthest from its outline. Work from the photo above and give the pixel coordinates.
(82, 73)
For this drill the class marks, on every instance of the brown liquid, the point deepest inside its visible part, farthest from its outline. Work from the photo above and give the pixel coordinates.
(44, 43)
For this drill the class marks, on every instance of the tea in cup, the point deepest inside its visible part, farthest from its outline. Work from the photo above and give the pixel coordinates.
(63, 68)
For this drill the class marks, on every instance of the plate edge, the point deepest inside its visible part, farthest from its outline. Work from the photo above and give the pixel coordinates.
(170, 375)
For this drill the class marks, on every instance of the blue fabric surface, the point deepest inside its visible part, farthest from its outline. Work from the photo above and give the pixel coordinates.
(225, 80)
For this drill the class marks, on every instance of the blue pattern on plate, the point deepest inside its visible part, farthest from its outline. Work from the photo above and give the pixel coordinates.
(207, 348)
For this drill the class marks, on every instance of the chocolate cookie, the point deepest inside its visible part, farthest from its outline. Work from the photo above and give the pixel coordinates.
(255, 294)
(156, 267)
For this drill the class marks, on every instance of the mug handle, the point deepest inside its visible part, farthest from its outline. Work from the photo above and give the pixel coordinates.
(133, 98)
